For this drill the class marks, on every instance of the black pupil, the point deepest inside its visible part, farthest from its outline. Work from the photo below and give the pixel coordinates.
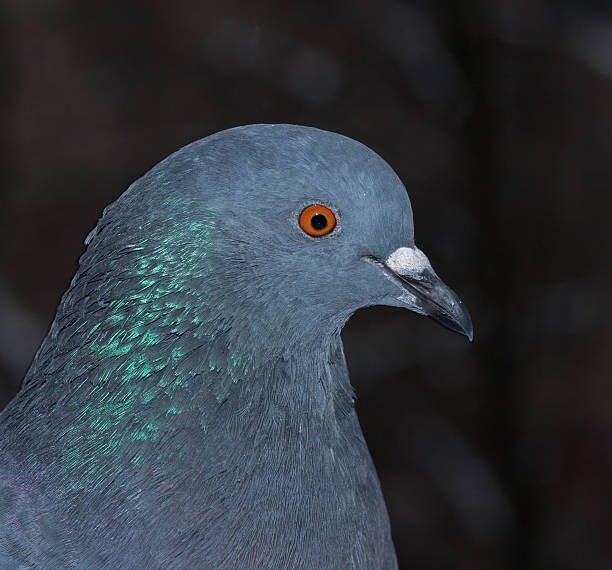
(318, 222)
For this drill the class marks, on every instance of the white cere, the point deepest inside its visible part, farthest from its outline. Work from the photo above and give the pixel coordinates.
(408, 260)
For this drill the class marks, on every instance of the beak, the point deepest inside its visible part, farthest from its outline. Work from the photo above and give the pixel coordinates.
(412, 272)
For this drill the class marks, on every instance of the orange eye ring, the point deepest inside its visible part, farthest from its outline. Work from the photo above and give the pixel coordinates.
(317, 220)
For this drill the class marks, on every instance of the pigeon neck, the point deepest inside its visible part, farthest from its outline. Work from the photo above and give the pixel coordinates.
(111, 374)
(203, 398)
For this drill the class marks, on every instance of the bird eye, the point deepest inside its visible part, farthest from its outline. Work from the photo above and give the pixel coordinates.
(317, 220)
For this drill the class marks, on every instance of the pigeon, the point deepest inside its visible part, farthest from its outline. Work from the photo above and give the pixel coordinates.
(190, 406)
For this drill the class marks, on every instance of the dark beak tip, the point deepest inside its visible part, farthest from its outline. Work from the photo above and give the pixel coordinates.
(469, 333)
(454, 317)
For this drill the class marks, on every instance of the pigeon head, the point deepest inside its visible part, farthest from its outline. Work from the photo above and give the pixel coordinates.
(232, 254)
(276, 232)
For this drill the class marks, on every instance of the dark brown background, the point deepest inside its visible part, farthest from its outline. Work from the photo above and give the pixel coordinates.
(497, 114)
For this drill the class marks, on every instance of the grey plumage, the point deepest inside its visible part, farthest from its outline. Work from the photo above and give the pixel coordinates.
(191, 406)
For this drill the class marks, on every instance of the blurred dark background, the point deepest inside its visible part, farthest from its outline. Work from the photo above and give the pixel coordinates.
(497, 115)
